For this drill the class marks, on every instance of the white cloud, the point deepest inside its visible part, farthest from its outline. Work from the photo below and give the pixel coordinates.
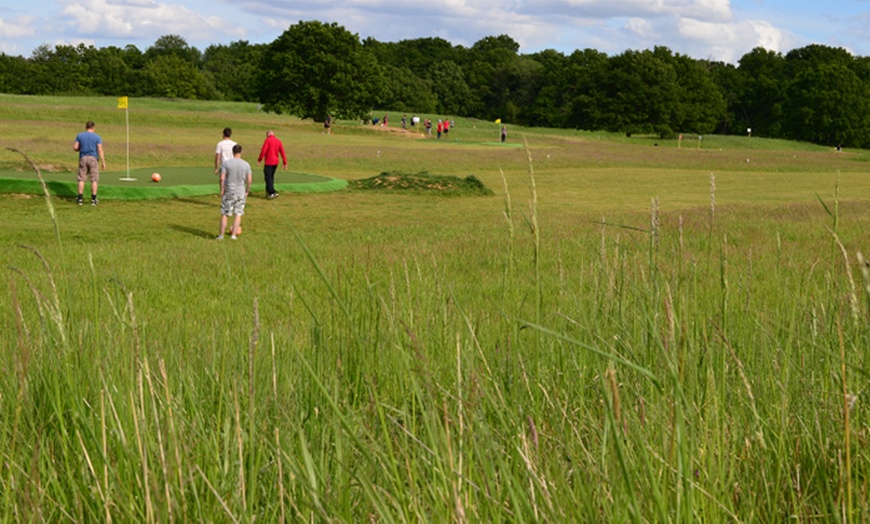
(140, 18)
(642, 28)
(707, 10)
(729, 41)
(18, 27)
(611, 26)
(720, 29)
(603, 9)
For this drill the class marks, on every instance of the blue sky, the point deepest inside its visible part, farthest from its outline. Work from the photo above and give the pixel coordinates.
(705, 29)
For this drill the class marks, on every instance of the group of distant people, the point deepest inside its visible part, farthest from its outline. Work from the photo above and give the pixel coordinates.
(235, 176)
(442, 128)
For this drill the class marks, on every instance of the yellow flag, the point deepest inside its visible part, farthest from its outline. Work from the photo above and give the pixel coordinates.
(122, 102)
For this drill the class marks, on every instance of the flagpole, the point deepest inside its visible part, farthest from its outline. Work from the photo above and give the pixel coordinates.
(127, 119)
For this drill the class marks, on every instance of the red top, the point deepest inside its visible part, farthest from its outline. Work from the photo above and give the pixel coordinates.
(271, 150)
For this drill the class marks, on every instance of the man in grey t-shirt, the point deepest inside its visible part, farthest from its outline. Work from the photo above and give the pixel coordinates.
(236, 180)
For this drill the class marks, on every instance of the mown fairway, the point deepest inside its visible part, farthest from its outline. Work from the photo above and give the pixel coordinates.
(626, 331)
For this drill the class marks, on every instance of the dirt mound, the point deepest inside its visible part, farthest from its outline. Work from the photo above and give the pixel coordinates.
(397, 131)
(422, 182)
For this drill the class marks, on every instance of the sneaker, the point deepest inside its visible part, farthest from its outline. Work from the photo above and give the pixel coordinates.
(234, 237)
(272, 196)
(94, 202)
(219, 237)
(79, 201)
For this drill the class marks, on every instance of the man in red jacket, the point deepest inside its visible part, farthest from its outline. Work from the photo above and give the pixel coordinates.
(271, 150)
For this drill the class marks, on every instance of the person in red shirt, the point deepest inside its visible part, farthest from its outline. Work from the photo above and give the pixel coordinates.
(270, 152)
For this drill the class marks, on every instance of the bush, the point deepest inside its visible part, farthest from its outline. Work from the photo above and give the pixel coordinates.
(423, 182)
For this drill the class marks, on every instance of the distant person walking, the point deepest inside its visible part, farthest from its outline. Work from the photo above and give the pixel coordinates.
(504, 134)
(327, 124)
(236, 178)
(270, 152)
(90, 147)
(224, 150)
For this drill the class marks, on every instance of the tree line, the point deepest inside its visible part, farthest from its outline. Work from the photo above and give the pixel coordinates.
(816, 93)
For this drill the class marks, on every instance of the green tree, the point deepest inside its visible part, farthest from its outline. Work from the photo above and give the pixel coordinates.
(641, 94)
(60, 70)
(314, 69)
(402, 90)
(171, 76)
(488, 70)
(728, 79)
(234, 69)
(174, 45)
(586, 91)
(700, 105)
(519, 81)
(479, 78)
(552, 103)
(826, 97)
(828, 104)
(133, 57)
(453, 93)
(761, 92)
(418, 55)
(16, 75)
(109, 73)
(496, 48)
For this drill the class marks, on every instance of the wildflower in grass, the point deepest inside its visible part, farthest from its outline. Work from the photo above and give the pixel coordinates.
(712, 198)
(603, 248)
(851, 400)
(681, 231)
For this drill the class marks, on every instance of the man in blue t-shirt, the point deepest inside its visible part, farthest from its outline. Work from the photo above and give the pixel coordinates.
(90, 146)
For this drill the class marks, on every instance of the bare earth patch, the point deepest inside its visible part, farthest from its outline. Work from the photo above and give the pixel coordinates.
(397, 131)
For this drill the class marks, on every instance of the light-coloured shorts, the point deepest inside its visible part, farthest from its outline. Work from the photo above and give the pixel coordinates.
(89, 168)
(233, 204)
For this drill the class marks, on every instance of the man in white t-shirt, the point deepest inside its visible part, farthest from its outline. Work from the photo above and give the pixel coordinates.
(224, 150)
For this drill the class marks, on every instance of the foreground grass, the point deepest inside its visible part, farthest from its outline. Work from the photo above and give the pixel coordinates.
(603, 343)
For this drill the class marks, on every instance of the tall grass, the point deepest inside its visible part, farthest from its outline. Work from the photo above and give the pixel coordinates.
(406, 390)
(522, 367)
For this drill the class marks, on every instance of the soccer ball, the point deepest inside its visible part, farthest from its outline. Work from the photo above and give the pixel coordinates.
(239, 231)
(155, 177)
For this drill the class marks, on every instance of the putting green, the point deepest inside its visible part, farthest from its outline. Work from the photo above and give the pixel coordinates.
(175, 182)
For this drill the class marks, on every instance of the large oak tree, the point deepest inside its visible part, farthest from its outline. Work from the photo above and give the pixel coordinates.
(314, 69)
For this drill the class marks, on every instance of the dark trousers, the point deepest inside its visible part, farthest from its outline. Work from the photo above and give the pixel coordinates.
(269, 173)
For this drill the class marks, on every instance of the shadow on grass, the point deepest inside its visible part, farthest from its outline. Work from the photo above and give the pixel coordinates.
(198, 202)
(60, 189)
(190, 231)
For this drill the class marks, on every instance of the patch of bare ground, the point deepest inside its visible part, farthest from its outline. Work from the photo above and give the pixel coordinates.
(398, 131)
(54, 168)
